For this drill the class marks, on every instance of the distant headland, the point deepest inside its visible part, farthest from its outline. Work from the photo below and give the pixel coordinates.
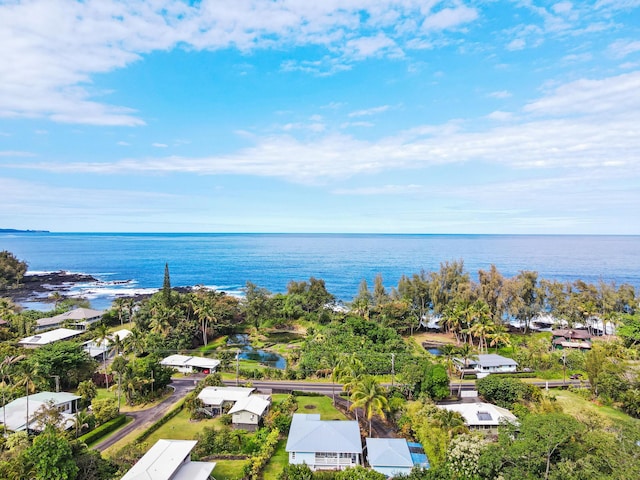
(15, 230)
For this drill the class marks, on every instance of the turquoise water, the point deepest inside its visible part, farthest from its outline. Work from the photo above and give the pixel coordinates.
(228, 261)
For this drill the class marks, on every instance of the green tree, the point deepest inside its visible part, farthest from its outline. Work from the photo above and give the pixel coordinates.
(52, 457)
(369, 395)
(166, 287)
(101, 337)
(12, 270)
(104, 409)
(65, 360)
(87, 391)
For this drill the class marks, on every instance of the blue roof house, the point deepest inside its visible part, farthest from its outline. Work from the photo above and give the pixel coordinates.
(324, 444)
(389, 456)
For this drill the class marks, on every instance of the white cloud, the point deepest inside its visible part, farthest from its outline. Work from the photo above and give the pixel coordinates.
(55, 47)
(123, 144)
(159, 145)
(622, 48)
(382, 190)
(500, 116)
(369, 111)
(500, 94)
(9, 153)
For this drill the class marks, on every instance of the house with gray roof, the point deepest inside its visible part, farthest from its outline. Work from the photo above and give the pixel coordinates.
(324, 444)
(389, 456)
(485, 364)
(46, 338)
(170, 460)
(14, 414)
(247, 412)
(78, 318)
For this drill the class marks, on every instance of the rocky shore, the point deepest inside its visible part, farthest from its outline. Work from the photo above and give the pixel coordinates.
(39, 286)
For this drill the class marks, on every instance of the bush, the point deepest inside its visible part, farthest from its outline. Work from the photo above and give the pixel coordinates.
(505, 391)
(104, 409)
(97, 433)
(226, 419)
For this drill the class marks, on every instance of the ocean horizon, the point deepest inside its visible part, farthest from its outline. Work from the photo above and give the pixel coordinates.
(129, 263)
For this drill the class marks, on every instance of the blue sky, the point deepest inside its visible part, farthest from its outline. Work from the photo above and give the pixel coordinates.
(390, 116)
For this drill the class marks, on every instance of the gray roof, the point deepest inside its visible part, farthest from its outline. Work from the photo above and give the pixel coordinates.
(75, 314)
(388, 452)
(494, 360)
(50, 336)
(253, 403)
(164, 461)
(310, 434)
(16, 411)
(479, 414)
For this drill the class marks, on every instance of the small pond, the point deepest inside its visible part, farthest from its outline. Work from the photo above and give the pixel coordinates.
(434, 351)
(247, 352)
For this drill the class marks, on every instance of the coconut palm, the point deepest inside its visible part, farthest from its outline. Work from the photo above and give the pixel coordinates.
(500, 336)
(80, 421)
(447, 353)
(118, 306)
(101, 337)
(369, 395)
(28, 380)
(348, 371)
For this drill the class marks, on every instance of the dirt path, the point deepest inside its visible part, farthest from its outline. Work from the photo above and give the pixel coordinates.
(379, 427)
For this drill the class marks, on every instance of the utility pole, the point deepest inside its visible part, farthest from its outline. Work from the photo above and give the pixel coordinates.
(237, 367)
(57, 377)
(393, 368)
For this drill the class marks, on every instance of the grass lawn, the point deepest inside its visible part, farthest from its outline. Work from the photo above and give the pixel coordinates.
(124, 408)
(181, 428)
(228, 469)
(574, 404)
(277, 463)
(322, 405)
(92, 444)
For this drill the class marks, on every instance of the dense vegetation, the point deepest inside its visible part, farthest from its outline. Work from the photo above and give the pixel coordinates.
(12, 270)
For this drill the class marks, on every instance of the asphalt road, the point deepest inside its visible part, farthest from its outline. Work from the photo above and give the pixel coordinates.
(145, 418)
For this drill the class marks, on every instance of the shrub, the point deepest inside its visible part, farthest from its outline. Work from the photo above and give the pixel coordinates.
(108, 427)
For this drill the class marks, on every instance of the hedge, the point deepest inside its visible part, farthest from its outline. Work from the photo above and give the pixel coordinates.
(144, 435)
(108, 427)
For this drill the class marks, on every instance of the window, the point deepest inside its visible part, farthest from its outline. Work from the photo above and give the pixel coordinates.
(293, 455)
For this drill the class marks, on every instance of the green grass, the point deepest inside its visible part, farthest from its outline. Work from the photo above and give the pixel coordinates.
(228, 469)
(92, 444)
(124, 408)
(574, 404)
(181, 428)
(277, 463)
(322, 405)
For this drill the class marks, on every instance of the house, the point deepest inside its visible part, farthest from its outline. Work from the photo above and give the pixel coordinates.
(579, 339)
(481, 416)
(324, 444)
(247, 412)
(46, 338)
(190, 364)
(15, 412)
(216, 399)
(78, 318)
(98, 349)
(486, 364)
(389, 456)
(170, 460)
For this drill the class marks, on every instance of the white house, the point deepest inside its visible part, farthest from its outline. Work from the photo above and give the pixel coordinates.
(14, 414)
(46, 338)
(324, 444)
(247, 412)
(170, 460)
(488, 363)
(189, 364)
(389, 456)
(215, 399)
(481, 416)
(98, 349)
(78, 318)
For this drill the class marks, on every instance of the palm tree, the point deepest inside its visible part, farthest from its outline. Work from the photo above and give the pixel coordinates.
(101, 336)
(136, 342)
(482, 324)
(500, 336)
(348, 370)
(451, 421)
(447, 354)
(369, 395)
(205, 312)
(28, 381)
(118, 305)
(56, 298)
(80, 421)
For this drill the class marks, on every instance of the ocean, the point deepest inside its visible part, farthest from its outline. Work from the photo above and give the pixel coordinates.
(128, 263)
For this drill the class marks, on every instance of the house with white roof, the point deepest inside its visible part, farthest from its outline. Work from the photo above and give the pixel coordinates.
(15, 413)
(486, 364)
(97, 349)
(247, 412)
(324, 444)
(46, 338)
(389, 456)
(481, 416)
(170, 460)
(190, 364)
(216, 399)
(78, 318)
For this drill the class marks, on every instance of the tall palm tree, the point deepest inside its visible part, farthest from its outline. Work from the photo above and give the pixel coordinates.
(118, 306)
(204, 311)
(447, 353)
(369, 395)
(28, 381)
(500, 336)
(349, 371)
(80, 421)
(101, 336)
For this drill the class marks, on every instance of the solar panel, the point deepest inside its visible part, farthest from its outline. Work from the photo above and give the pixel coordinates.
(484, 416)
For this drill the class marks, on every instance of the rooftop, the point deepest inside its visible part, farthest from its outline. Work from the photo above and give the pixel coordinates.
(310, 434)
(479, 414)
(388, 452)
(219, 395)
(256, 404)
(190, 361)
(50, 337)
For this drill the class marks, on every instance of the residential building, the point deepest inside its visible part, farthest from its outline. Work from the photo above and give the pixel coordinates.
(578, 339)
(78, 318)
(324, 444)
(216, 399)
(247, 412)
(485, 364)
(389, 456)
(190, 364)
(481, 416)
(170, 460)
(98, 349)
(15, 413)
(46, 338)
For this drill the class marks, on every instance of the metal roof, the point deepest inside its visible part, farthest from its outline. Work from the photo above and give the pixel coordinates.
(478, 414)
(16, 411)
(190, 361)
(253, 403)
(162, 461)
(219, 395)
(388, 452)
(494, 360)
(50, 336)
(310, 434)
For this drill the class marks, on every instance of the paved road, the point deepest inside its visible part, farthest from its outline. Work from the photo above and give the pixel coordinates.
(145, 418)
